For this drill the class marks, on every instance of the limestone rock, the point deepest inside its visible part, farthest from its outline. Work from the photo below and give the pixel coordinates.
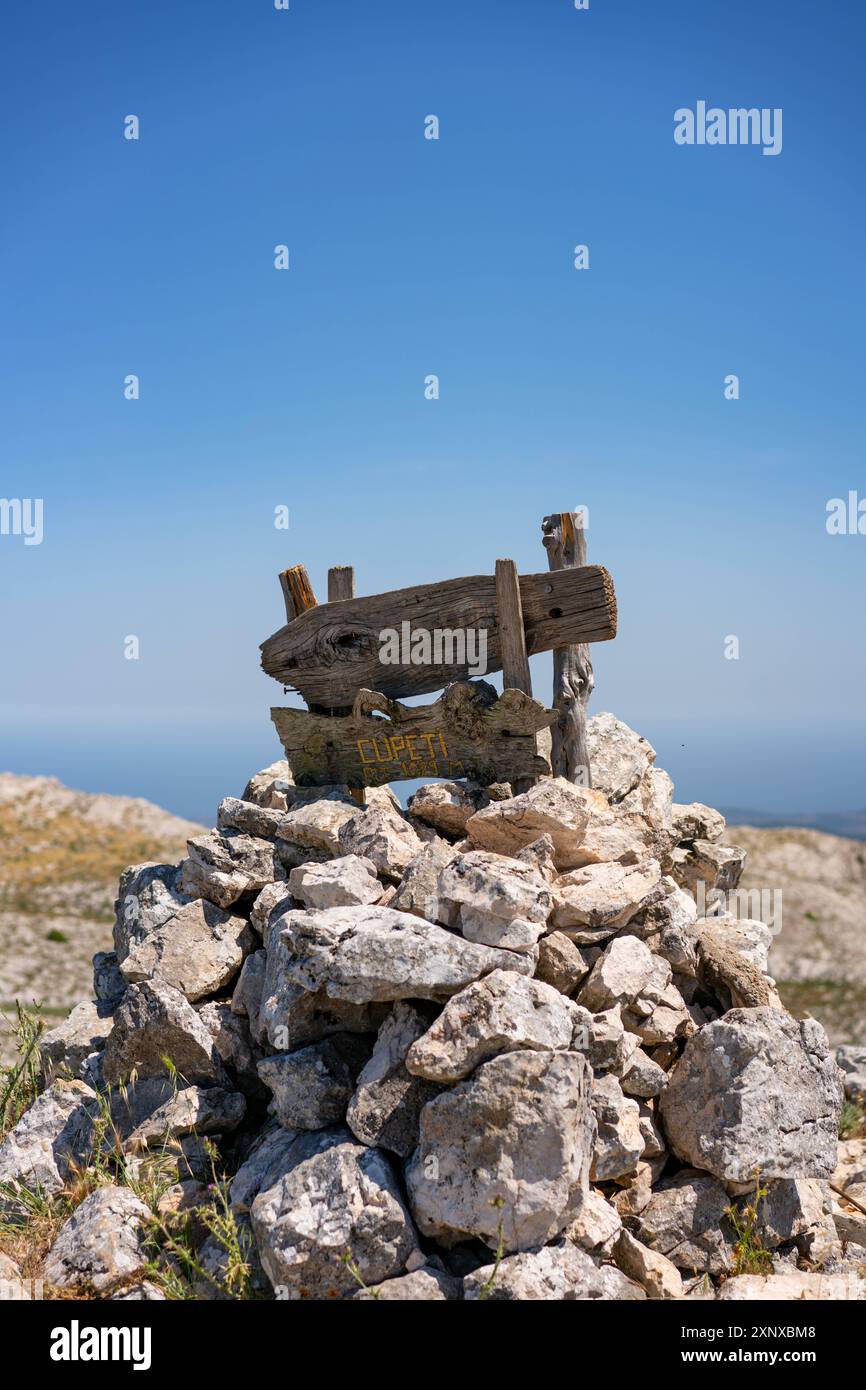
(560, 963)
(724, 969)
(272, 787)
(148, 896)
(447, 806)
(249, 992)
(494, 900)
(68, 1049)
(101, 1243)
(150, 1112)
(426, 1285)
(502, 1012)
(667, 925)
(418, 890)
(596, 1226)
(602, 897)
(274, 898)
(155, 1021)
(338, 1198)
(756, 1090)
(312, 1086)
(509, 1149)
(791, 1208)
(343, 882)
(618, 975)
(618, 757)
(316, 824)
(644, 1077)
(50, 1137)
(383, 836)
(708, 867)
(649, 1268)
(556, 1273)
(234, 1043)
(13, 1287)
(386, 1107)
(685, 1220)
(366, 954)
(619, 1142)
(249, 818)
(109, 985)
(267, 1161)
(697, 822)
(199, 951)
(797, 1284)
(554, 807)
(224, 865)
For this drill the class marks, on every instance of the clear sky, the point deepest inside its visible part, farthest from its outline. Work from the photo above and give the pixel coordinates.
(408, 257)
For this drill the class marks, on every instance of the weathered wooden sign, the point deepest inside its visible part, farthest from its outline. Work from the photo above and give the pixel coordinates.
(352, 658)
(468, 732)
(336, 648)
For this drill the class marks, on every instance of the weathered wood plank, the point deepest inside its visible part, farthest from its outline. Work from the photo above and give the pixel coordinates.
(341, 583)
(515, 663)
(297, 591)
(333, 650)
(467, 732)
(565, 541)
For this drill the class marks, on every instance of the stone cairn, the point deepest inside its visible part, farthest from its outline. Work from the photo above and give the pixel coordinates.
(481, 1048)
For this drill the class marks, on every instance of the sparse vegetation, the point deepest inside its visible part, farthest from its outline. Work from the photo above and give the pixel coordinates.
(32, 1218)
(852, 1121)
(489, 1284)
(750, 1256)
(20, 1082)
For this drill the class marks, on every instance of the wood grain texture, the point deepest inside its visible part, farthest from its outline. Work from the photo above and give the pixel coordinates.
(565, 541)
(341, 583)
(329, 652)
(297, 591)
(512, 639)
(467, 732)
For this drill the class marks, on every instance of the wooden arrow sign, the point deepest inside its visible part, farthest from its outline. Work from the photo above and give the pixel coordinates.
(467, 732)
(329, 652)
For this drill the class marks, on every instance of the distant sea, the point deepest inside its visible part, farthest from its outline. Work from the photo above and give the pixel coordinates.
(756, 775)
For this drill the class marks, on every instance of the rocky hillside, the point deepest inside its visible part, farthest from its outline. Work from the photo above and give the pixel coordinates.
(818, 958)
(483, 1048)
(61, 852)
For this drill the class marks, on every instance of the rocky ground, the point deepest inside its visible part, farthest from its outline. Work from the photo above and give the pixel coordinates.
(482, 1048)
(818, 957)
(61, 853)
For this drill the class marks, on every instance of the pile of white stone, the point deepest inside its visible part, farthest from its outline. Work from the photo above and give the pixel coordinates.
(481, 1048)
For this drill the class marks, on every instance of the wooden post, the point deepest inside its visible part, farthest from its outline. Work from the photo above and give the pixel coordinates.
(512, 637)
(341, 583)
(297, 591)
(515, 663)
(565, 541)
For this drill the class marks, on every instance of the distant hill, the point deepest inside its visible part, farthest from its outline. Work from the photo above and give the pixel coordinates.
(53, 839)
(851, 824)
(819, 956)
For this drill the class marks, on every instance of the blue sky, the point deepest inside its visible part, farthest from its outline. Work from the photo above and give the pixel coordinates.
(408, 257)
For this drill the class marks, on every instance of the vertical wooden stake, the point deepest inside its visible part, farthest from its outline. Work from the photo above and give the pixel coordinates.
(341, 583)
(297, 591)
(515, 663)
(565, 541)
